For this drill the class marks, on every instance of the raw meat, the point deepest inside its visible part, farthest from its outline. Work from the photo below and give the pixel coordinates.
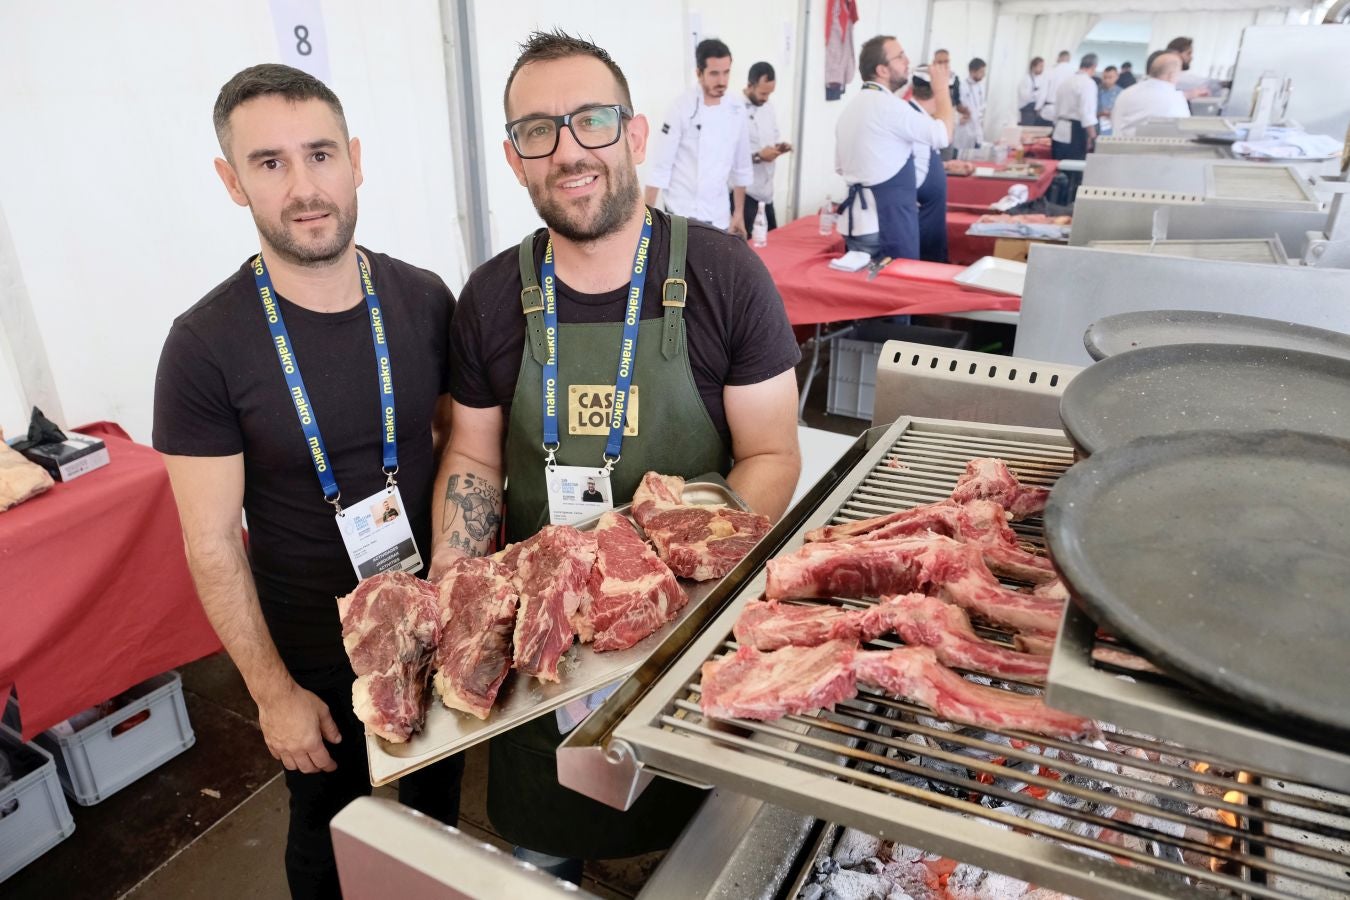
(931, 564)
(552, 576)
(1052, 590)
(697, 542)
(987, 478)
(478, 615)
(632, 593)
(20, 479)
(1035, 644)
(753, 685)
(915, 674)
(980, 522)
(769, 626)
(390, 626)
(923, 621)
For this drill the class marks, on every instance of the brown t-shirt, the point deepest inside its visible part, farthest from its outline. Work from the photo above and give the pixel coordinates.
(737, 328)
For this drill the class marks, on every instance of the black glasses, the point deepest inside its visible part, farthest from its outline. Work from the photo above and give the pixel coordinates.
(593, 127)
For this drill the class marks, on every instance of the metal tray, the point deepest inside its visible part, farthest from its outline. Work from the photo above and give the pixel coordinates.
(995, 276)
(1197, 387)
(1155, 328)
(583, 671)
(1224, 557)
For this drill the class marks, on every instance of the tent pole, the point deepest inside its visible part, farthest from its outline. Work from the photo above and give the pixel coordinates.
(466, 129)
(927, 33)
(799, 119)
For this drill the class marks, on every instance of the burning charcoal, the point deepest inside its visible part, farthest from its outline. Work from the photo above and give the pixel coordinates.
(871, 865)
(854, 846)
(850, 885)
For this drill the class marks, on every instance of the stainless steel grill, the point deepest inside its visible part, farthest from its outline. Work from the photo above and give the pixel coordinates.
(1128, 815)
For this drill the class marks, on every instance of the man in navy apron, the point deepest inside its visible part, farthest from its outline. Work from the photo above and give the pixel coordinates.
(932, 182)
(874, 148)
(544, 332)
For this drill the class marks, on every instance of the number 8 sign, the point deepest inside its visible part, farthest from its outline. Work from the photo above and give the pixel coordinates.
(300, 35)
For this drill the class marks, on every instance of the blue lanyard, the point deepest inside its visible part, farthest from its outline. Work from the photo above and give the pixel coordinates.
(627, 349)
(290, 367)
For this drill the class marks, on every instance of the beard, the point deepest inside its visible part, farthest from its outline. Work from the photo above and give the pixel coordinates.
(615, 206)
(896, 82)
(282, 239)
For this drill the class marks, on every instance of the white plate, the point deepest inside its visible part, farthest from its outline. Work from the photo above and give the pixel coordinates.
(995, 275)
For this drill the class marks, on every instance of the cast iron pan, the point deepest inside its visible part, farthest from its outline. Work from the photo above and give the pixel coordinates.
(1225, 557)
(1204, 387)
(1156, 328)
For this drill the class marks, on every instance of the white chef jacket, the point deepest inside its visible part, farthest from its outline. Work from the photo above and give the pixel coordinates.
(970, 134)
(763, 132)
(1061, 73)
(922, 153)
(875, 137)
(1145, 100)
(1076, 101)
(1031, 90)
(701, 151)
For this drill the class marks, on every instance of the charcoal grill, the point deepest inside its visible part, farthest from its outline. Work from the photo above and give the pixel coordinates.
(1129, 816)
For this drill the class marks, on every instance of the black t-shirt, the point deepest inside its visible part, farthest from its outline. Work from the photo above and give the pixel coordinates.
(737, 327)
(220, 391)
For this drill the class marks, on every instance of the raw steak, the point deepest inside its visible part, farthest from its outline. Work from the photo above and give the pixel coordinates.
(931, 564)
(987, 478)
(980, 522)
(1052, 590)
(697, 542)
(753, 685)
(478, 615)
(390, 626)
(915, 674)
(769, 626)
(552, 575)
(923, 621)
(632, 593)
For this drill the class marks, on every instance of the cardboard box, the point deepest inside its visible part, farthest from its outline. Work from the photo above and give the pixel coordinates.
(1012, 248)
(77, 455)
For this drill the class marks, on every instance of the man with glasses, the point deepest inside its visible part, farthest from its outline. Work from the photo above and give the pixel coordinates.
(704, 148)
(875, 142)
(613, 299)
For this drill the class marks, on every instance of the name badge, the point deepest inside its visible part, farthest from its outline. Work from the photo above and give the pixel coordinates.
(378, 535)
(576, 493)
(589, 407)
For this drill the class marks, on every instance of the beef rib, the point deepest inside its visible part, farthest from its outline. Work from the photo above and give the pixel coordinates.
(390, 626)
(697, 542)
(750, 684)
(632, 593)
(552, 576)
(771, 625)
(478, 616)
(987, 478)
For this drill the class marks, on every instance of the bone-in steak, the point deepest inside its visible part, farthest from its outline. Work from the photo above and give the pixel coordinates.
(632, 593)
(390, 625)
(697, 542)
(754, 685)
(552, 573)
(987, 478)
(769, 626)
(478, 616)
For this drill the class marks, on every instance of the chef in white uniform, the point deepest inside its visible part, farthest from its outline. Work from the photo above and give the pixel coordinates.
(766, 143)
(875, 141)
(1031, 93)
(1076, 113)
(1061, 73)
(970, 127)
(1157, 96)
(704, 148)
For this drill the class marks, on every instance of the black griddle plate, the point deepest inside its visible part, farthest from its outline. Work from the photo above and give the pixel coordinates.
(1225, 558)
(1124, 332)
(1205, 387)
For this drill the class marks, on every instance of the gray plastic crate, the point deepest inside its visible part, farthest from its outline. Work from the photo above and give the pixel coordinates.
(34, 816)
(107, 755)
(853, 362)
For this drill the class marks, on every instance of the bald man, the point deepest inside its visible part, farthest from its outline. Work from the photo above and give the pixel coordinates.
(1155, 97)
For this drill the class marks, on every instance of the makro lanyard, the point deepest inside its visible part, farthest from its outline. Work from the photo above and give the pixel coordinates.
(627, 349)
(290, 367)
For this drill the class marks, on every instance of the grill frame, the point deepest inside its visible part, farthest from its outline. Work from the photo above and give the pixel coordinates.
(790, 767)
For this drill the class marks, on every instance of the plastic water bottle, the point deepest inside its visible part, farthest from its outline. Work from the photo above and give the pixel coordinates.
(827, 216)
(759, 234)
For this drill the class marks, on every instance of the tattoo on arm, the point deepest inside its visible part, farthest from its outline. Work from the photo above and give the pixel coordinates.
(478, 503)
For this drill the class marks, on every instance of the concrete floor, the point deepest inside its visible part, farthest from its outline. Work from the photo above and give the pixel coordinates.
(169, 836)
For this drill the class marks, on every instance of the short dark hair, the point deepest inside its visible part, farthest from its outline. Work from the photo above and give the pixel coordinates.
(710, 48)
(1180, 44)
(545, 46)
(268, 80)
(872, 54)
(976, 64)
(1064, 54)
(1127, 65)
(1109, 69)
(1089, 61)
(923, 90)
(1034, 60)
(759, 71)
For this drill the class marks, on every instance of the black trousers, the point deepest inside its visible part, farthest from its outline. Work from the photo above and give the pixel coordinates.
(1030, 117)
(752, 209)
(311, 870)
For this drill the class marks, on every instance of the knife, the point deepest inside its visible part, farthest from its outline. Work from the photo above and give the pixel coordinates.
(873, 269)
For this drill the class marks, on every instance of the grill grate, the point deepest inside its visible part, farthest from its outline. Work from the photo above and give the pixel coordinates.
(1129, 814)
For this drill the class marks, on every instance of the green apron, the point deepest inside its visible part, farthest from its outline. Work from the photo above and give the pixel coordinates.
(675, 436)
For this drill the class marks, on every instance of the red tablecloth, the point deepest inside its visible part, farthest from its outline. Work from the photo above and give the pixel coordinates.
(95, 594)
(964, 249)
(798, 257)
(971, 190)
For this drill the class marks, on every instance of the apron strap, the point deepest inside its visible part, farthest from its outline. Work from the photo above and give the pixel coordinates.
(532, 301)
(674, 290)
